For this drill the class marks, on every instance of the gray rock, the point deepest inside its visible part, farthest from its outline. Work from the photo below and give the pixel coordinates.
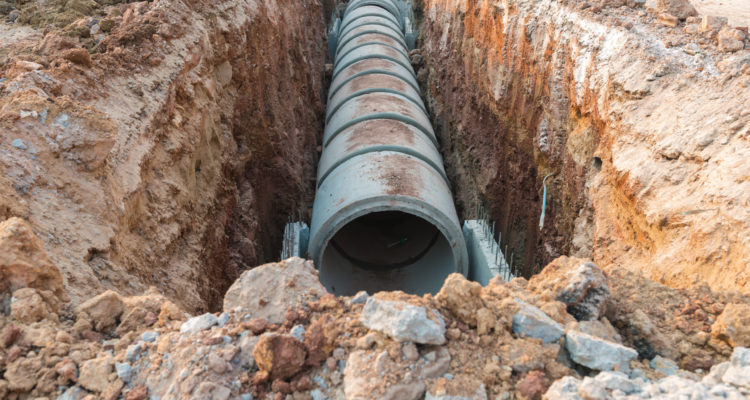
(360, 297)
(664, 365)
(737, 376)
(124, 371)
(222, 320)
(19, 144)
(592, 389)
(717, 372)
(565, 388)
(247, 344)
(586, 292)
(598, 354)
(740, 357)
(298, 331)
(131, 354)
(532, 322)
(149, 336)
(614, 380)
(316, 394)
(73, 393)
(199, 323)
(403, 322)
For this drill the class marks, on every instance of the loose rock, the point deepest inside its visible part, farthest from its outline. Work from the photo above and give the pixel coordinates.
(280, 355)
(530, 321)
(598, 354)
(404, 322)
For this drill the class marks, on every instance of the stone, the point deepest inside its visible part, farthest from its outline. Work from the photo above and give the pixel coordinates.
(448, 389)
(19, 144)
(149, 336)
(27, 306)
(710, 23)
(24, 262)
(664, 365)
(738, 371)
(733, 325)
(461, 297)
(73, 393)
(600, 328)
(138, 393)
(9, 336)
(95, 374)
(485, 321)
(577, 283)
(132, 320)
(679, 8)
(532, 385)
(403, 322)
(281, 356)
(740, 357)
(67, 369)
(730, 40)
(212, 391)
(591, 389)
(565, 388)
(360, 297)
(297, 277)
(113, 390)
(103, 310)
(364, 372)
(21, 374)
(124, 371)
(614, 380)
(222, 320)
(298, 331)
(532, 322)
(199, 323)
(78, 56)
(247, 345)
(667, 19)
(217, 364)
(598, 354)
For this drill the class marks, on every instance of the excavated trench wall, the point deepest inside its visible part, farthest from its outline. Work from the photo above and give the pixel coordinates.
(193, 138)
(638, 136)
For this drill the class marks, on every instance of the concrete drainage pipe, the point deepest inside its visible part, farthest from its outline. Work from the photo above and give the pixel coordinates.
(383, 217)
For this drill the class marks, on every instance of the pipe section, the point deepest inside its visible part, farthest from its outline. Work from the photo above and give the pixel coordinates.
(383, 217)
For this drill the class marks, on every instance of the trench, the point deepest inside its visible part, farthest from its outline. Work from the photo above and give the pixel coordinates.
(492, 163)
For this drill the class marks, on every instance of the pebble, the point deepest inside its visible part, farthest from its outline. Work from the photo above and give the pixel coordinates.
(124, 371)
(664, 365)
(199, 323)
(132, 352)
(298, 331)
(149, 336)
(223, 319)
(19, 144)
(360, 298)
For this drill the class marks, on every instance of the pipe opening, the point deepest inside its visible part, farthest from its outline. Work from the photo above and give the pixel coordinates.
(387, 250)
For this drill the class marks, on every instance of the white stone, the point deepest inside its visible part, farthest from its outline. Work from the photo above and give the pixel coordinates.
(598, 354)
(199, 323)
(614, 380)
(565, 388)
(403, 322)
(532, 322)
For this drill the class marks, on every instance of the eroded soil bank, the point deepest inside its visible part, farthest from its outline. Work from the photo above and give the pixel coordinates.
(160, 143)
(643, 128)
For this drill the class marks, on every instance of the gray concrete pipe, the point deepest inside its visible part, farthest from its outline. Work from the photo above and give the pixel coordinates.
(383, 217)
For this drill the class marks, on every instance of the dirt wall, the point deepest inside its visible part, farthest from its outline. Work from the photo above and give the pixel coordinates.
(638, 132)
(171, 149)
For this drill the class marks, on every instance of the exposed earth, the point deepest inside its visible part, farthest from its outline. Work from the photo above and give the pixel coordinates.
(151, 152)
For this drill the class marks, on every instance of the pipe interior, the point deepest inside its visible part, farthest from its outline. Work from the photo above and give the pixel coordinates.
(387, 250)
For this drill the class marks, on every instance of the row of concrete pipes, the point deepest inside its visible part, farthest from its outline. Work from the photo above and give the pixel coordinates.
(383, 217)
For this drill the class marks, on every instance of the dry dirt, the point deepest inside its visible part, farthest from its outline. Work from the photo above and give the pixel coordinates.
(150, 152)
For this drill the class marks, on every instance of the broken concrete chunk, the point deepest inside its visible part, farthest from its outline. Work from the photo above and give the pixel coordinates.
(404, 322)
(532, 322)
(598, 354)
(199, 323)
(563, 389)
(664, 365)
